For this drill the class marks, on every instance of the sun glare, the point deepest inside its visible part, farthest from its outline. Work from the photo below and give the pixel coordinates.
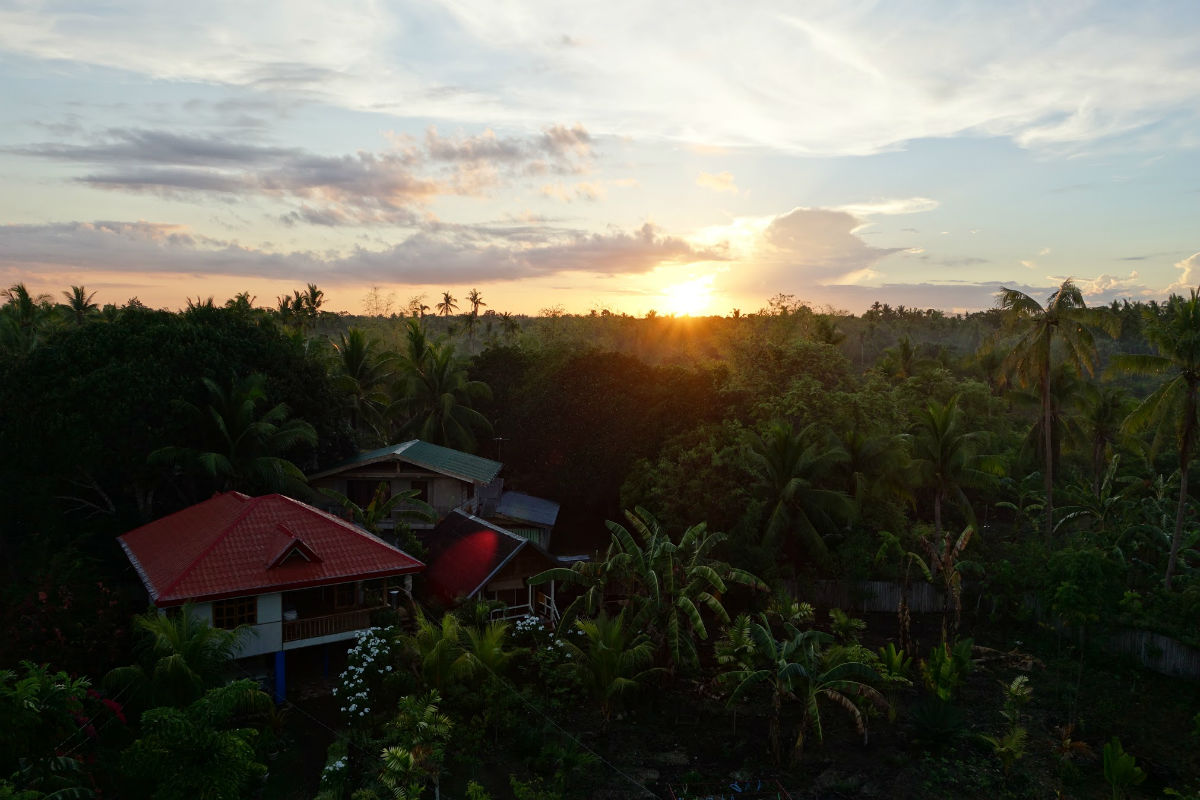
(691, 298)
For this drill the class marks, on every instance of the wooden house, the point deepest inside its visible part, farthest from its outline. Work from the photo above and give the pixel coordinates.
(444, 478)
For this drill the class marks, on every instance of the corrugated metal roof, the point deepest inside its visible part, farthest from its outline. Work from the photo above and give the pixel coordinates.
(464, 552)
(527, 508)
(231, 546)
(433, 457)
(450, 462)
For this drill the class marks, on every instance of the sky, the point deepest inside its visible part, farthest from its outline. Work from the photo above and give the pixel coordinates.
(682, 157)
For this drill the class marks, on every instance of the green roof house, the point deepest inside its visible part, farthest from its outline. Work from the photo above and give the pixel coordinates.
(446, 479)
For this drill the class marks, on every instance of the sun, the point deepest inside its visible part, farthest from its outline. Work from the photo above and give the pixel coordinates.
(691, 298)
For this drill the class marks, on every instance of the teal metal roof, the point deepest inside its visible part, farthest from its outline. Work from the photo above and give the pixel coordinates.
(524, 507)
(449, 462)
(432, 457)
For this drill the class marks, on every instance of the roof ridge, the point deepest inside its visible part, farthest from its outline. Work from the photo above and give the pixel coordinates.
(353, 528)
(491, 525)
(251, 503)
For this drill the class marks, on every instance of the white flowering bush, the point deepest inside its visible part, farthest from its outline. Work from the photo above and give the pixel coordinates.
(337, 770)
(550, 653)
(369, 665)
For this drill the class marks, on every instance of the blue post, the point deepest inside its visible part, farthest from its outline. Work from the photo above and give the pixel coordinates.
(280, 676)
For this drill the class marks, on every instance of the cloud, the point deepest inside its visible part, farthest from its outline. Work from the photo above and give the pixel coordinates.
(586, 190)
(822, 243)
(1043, 76)
(1105, 284)
(803, 247)
(364, 188)
(468, 253)
(720, 182)
(898, 205)
(1189, 277)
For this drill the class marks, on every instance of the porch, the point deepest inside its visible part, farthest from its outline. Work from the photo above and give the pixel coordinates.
(524, 601)
(333, 613)
(328, 625)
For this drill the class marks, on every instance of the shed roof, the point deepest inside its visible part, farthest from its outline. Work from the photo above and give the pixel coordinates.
(464, 553)
(233, 545)
(443, 460)
(527, 508)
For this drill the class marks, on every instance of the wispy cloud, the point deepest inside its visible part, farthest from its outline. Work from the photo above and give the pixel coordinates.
(1043, 76)
(364, 188)
(889, 206)
(463, 253)
(720, 182)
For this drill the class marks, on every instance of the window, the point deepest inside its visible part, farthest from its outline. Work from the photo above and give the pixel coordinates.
(422, 488)
(229, 614)
(361, 493)
(344, 595)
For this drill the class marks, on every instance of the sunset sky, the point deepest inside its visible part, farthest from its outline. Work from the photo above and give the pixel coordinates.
(682, 157)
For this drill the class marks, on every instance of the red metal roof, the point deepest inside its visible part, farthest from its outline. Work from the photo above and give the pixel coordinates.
(464, 552)
(233, 545)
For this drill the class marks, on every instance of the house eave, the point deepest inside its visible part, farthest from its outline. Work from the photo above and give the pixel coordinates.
(254, 591)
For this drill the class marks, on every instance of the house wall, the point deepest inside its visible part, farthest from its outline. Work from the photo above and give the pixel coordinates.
(266, 636)
(445, 493)
(524, 565)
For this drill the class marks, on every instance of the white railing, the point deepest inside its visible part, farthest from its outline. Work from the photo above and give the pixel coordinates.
(543, 607)
(328, 624)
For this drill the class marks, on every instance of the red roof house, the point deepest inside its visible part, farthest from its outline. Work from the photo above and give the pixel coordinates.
(297, 575)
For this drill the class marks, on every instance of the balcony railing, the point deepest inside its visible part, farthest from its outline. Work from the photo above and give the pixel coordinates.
(543, 607)
(327, 625)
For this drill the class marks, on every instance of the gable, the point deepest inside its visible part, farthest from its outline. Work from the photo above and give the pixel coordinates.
(233, 545)
(434, 458)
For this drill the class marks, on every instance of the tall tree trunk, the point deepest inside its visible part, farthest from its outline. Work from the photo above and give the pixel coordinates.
(1048, 444)
(1185, 459)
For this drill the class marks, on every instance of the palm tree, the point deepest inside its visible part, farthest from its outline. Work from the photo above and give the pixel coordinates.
(509, 323)
(79, 304)
(241, 448)
(875, 466)
(180, 657)
(437, 394)
(787, 473)
(613, 660)
(423, 730)
(311, 300)
(826, 331)
(1173, 406)
(363, 373)
(476, 300)
(902, 360)
(382, 507)
(242, 303)
(22, 317)
(287, 308)
(438, 652)
(470, 322)
(944, 456)
(448, 305)
(1065, 318)
(485, 647)
(1102, 411)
